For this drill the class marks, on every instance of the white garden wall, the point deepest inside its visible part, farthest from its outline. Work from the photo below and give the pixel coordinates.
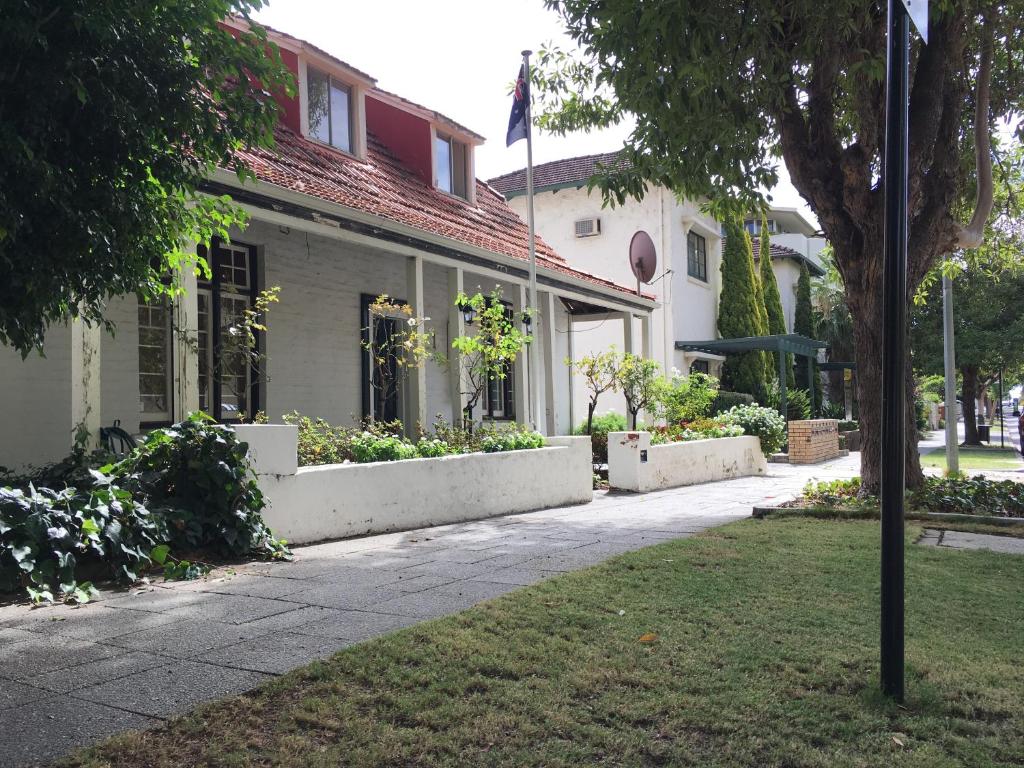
(636, 465)
(338, 500)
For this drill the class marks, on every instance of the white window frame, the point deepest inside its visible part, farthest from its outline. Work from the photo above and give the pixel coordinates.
(467, 155)
(157, 417)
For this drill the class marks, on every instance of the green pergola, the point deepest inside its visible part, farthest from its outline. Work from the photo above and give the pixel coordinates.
(782, 343)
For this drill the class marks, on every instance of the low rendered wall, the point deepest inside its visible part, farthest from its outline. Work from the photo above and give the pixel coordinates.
(813, 440)
(636, 465)
(334, 501)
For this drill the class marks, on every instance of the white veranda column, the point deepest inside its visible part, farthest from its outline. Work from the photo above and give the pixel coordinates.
(456, 327)
(417, 376)
(85, 383)
(546, 328)
(185, 355)
(646, 339)
(520, 371)
(630, 343)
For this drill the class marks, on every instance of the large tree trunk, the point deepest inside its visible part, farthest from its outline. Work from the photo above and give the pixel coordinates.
(970, 399)
(868, 333)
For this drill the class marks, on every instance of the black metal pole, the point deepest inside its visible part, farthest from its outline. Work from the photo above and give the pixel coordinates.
(894, 324)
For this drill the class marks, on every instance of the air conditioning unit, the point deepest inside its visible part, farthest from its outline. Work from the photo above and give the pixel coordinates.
(588, 227)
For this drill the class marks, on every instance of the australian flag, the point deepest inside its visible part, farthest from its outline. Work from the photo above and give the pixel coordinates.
(517, 127)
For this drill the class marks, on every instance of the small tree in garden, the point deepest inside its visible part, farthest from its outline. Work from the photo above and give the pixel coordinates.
(487, 355)
(640, 384)
(685, 398)
(738, 314)
(599, 372)
(773, 302)
(396, 340)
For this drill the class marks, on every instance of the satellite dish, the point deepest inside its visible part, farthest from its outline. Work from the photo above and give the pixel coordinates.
(643, 259)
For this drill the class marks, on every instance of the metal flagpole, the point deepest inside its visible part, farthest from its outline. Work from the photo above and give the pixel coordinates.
(533, 350)
(949, 369)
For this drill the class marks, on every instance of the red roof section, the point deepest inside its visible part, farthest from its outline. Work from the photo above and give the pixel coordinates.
(382, 186)
(571, 170)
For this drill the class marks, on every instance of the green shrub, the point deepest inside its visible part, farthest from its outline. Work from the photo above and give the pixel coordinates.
(186, 488)
(848, 426)
(196, 476)
(47, 537)
(431, 447)
(609, 422)
(511, 438)
(320, 442)
(764, 423)
(725, 400)
(685, 398)
(798, 402)
(368, 447)
(970, 496)
(701, 429)
(830, 410)
(837, 493)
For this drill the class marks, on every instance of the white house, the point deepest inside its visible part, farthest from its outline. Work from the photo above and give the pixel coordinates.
(688, 243)
(366, 193)
(794, 240)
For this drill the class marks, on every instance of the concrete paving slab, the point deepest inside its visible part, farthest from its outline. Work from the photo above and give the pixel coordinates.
(344, 597)
(22, 660)
(355, 625)
(97, 622)
(45, 729)
(254, 586)
(14, 694)
(520, 576)
(428, 604)
(231, 609)
(185, 638)
(96, 672)
(172, 689)
(961, 540)
(276, 653)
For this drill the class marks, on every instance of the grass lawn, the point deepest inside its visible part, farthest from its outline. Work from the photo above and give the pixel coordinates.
(751, 645)
(975, 457)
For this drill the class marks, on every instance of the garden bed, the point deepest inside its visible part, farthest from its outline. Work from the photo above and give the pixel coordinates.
(332, 501)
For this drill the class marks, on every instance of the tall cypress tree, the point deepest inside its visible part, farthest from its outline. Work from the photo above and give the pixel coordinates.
(739, 314)
(803, 323)
(773, 302)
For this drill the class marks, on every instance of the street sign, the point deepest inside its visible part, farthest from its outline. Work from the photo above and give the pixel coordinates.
(847, 374)
(917, 10)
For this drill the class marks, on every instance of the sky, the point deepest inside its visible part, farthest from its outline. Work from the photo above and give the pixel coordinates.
(459, 58)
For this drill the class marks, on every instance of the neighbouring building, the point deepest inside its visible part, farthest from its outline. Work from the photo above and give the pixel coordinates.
(794, 240)
(366, 193)
(686, 281)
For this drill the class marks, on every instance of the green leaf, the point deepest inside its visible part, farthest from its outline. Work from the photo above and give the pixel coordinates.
(159, 553)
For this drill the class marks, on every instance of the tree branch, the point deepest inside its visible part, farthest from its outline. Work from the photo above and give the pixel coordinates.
(973, 235)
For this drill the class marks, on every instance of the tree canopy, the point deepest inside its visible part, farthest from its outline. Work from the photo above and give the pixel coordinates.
(721, 91)
(111, 115)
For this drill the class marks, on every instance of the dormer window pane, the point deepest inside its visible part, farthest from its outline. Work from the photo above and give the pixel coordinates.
(443, 159)
(451, 161)
(329, 110)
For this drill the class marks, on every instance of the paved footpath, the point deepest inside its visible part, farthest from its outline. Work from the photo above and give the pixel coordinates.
(72, 676)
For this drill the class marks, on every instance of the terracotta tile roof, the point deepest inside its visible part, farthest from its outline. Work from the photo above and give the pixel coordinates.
(572, 170)
(382, 186)
(784, 252)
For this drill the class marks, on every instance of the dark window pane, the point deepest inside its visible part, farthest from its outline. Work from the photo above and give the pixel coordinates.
(318, 103)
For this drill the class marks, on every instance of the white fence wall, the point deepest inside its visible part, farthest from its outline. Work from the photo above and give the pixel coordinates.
(334, 501)
(636, 465)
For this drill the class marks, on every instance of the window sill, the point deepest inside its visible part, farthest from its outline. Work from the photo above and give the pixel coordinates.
(698, 281)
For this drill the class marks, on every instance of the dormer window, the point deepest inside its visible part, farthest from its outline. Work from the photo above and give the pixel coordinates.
(329, 108)
(451, 166)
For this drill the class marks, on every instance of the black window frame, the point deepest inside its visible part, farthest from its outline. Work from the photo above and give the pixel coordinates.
(507, 384)
(697, 256)
(213, 285)
(701, 366)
